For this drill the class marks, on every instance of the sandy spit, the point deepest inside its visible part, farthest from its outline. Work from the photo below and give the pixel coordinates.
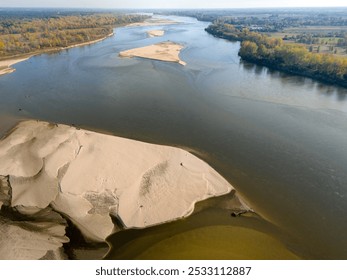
(5, 65)
(164, 51)
(88, 176)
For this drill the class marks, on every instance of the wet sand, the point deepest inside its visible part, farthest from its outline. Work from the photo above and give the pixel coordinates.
(210, 233)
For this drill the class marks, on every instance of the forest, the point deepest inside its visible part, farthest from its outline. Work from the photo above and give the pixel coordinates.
(289, 57)
(275, 19)
(31, 33)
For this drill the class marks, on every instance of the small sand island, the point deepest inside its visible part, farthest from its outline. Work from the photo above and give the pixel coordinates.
(164, 51)
(155, 33)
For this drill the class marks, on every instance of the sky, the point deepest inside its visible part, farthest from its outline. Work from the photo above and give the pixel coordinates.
(172, 3)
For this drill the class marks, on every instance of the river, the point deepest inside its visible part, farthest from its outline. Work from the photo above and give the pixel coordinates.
(280, 140)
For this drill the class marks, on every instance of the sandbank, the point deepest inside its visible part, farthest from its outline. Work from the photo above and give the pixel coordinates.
(164, 51)
(89, 177)
(5, 65)
(155, 33)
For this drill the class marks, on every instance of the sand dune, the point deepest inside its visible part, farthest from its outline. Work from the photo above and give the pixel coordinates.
(89, 176)
(164, 51)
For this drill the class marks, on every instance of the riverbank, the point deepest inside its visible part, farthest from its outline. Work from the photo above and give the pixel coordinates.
(6, 64)
(89, 178)
(294, 71)
(164, 51)
(290, 58)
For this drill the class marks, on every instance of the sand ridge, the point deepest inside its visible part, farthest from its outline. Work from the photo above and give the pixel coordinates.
(163, 51)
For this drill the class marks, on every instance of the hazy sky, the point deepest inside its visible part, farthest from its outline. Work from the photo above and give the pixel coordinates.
(172, 3)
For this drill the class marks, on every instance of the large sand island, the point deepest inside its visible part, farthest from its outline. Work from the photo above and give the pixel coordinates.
(49, 169)
(164, 51)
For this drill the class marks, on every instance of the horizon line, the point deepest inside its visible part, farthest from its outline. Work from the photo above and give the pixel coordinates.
(167, 8)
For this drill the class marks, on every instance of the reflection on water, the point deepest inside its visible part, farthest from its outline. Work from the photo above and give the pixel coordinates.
(279, 139)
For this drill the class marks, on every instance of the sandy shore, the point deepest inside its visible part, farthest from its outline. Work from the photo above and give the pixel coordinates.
(89, 177)
(153, 22)
(5, 65)
(164, 51)
(155, 33)
(87, 43)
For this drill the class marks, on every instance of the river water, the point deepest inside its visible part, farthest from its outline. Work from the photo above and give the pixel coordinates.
(280, 140)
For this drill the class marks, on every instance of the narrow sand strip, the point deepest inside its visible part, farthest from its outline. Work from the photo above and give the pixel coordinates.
(155, 33)
(89, 176)
(87, 43)
(5, 65)
(164, 51)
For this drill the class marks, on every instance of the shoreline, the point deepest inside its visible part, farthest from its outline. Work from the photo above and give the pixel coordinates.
(88, 43)
(211, 213)
(7, 63)
(295, 72)
(291, 69)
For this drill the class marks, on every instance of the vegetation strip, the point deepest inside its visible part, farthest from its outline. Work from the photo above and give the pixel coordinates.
(291, 58)
(38, 33)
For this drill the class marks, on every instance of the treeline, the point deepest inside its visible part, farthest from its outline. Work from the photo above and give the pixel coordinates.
(292, 58)
(270, 19)
(278, 22)
(28, 35)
